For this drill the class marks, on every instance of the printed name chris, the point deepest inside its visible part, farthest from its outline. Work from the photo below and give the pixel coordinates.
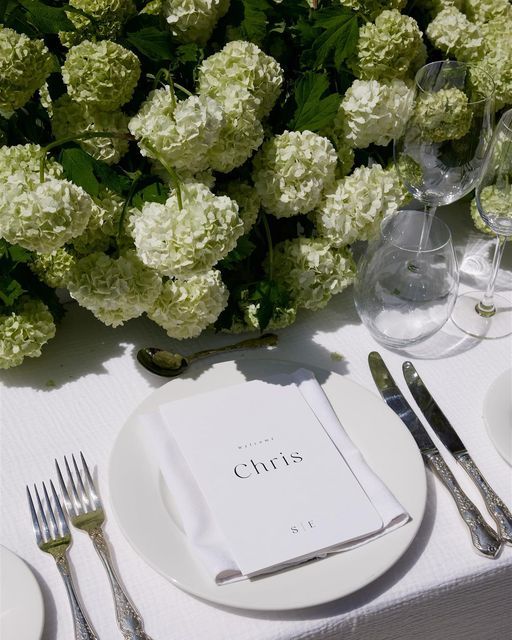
(246, 470)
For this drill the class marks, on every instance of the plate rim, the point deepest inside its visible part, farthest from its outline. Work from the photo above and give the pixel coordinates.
(500, 379)
(413, 525)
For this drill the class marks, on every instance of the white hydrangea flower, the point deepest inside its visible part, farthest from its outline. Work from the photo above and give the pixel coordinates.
(494, 200)
(177, 133)
(241, 134)
(23, 161)
(24, 331)
(244, 64)
(108, 19)
(453, 33)
(24, 66)
(44, 217)
(247, 318)
(291, 171)
(188, 241)
(372, 8)
(392, 47)
(53, 268)
(485, 10)
(101, 74)
(357, 204)
(193, 20)
(102, 227)
(247, 199)
(312, 270)
(375, 112)
(443, 115)
(185, 307)
(496, 63)
(114, 289)
(72, 118)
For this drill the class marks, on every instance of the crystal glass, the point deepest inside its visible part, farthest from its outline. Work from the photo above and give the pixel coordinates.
(487, 314)
(440, 154)
(399, 303)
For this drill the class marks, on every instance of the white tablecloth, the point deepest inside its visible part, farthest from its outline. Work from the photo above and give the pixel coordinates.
(79, 393)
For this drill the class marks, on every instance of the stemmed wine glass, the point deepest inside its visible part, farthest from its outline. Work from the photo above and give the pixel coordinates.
(440, 154)
(486, 314)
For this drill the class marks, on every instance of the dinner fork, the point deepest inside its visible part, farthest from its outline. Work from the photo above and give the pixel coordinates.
(86, 512)
(55, 539)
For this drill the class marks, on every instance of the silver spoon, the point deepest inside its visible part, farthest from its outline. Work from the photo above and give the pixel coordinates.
(168, 364)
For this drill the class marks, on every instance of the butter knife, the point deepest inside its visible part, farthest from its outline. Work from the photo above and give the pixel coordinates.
(483, 537)
(448, 436)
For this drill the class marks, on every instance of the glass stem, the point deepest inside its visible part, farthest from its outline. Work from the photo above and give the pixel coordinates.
(486, 306)
(430, 210)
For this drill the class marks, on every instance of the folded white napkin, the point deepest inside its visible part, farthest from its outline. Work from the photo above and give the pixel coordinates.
(203, 533)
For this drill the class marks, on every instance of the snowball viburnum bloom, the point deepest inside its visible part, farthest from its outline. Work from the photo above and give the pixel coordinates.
(443, 115)
(24, 331)
(485, 10)
(108, 19)
(53, 268)
(497, 63)
(247, 199)
(453, 33)
(354, 208)
(496, 202)
(177, 133)
(44, 217)
(101, 74)
(102, 227)
(24, 66)
(375, 112)
(193, 20)
(372, 8)
(312, 270)
(392, 47)
(291, 171)
(187, 241)
(114, 289)
(23, 161)
(244, 64)
(185, 307)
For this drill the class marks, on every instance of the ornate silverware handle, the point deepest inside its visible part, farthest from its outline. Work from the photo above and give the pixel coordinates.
(128, 618)
(83, 629)
(493, 502)
(483, 537)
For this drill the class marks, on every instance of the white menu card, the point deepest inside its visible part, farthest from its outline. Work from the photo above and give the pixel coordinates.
(277, 486)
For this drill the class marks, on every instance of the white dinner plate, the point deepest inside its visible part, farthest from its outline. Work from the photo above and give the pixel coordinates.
(145, 511)
(498, 414)
(21, 601)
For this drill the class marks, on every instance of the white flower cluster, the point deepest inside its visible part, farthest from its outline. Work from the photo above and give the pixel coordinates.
(185, 242)
(108, 19)
(312, 270)
(496, 201)
(185, 307)
(24, 331)
(355, 207)
(372, 8)
(291, 171)
(53, 268)
(193, 20)
(247, 199)
(102, 226)
(375, 112)
(443, 115)
(114, 289)
(101, 74)
(24, 66)
(22, 161)
(453, 33)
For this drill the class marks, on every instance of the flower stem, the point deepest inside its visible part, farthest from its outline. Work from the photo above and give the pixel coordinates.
(269, 244)
(181, 88)
(136, 178)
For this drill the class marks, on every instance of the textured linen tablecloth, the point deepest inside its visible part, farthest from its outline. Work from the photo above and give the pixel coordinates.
(78, 394)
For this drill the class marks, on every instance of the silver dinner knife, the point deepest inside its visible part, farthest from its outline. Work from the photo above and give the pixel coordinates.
(483, 537)
(448, 436)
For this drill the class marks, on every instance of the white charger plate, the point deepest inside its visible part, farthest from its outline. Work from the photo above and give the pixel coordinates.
(497, 412)
(22, 609)
(145, 511)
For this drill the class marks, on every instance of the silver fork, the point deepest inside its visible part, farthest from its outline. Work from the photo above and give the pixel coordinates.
(85, 512)
(55, 539)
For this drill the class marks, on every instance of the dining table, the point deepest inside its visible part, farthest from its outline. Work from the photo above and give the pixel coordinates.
(81, 391)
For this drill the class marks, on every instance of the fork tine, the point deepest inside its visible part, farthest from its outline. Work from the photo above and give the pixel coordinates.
(85, 496)
(60, 514)
(92, 490)
(53, 521)
(35, 521)
(42, 516)
(65, 494)
(76, 500)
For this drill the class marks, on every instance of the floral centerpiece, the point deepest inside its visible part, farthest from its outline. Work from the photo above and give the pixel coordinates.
(207, 161)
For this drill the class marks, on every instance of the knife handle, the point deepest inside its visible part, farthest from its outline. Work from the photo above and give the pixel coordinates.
(495, 505)
(483, 537)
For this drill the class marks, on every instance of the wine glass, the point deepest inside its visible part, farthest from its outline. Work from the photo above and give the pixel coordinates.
(487, 314)
(440, 154)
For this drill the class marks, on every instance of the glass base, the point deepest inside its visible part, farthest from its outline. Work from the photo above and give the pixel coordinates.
(466, 317)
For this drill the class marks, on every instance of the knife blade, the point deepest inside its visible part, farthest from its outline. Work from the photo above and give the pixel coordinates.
(483, 537)
(451, 440)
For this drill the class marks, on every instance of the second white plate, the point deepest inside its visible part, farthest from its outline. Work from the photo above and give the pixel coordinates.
(145, 511)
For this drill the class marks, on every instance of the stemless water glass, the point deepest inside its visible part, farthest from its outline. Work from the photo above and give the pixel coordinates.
(397, 302)
(487, 314)
(440, 154)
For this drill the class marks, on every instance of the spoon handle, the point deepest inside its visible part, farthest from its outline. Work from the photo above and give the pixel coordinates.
(265, 340)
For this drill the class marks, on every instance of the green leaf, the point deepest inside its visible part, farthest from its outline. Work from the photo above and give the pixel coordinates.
(46, 18)
(190, 52)
(79, 168)
(152, 43)
(314, 111)
(254, 24)
(244, 248)
(10, 291)
(110, 178)
(154, 192)
(338, 39)
(268, 295)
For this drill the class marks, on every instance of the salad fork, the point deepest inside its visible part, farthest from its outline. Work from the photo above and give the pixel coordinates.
(55, 539)
(86, 512)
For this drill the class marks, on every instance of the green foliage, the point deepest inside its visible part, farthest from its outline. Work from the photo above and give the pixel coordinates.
(243, 250)
(45, 18)
(152, 42)
(337, 39)
(315, 110)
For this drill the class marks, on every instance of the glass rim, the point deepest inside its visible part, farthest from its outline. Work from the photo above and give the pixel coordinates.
(455, 63)
(506, 120)
(435, 220)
